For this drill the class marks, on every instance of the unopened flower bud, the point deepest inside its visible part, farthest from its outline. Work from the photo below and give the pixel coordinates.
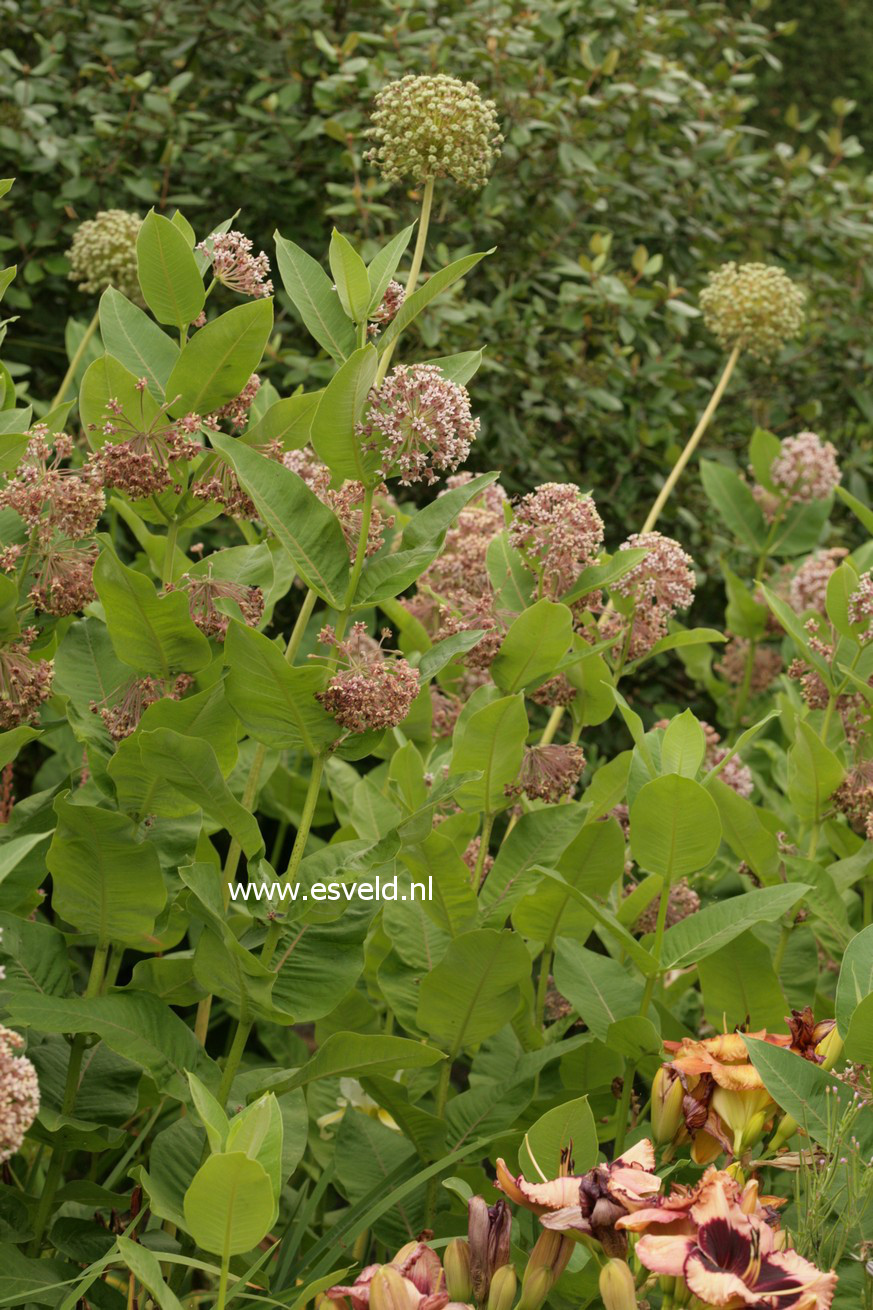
(503, 1288)
(535, 1288)
(617, 1288)
(456, 1263)
(434, 126)
(103, 253)
(754, 306)
(488, 1228)
(667, 1116)
(389, 1290)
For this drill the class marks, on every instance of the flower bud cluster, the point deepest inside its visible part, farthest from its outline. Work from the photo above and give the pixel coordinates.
(236, 411)
(25, 683)
(432, 126)
(808, 588)
(103, 254)
(51, 499)
(754, 306)
(558, 532)
(139, 464)
(420, 423)
(861, 608)
(234, 265)
(766, 664)
(218, 482)
(369, 691)
(682, 902)
(19, 1094)
(122, 718)
(392, 299)
(65, 580)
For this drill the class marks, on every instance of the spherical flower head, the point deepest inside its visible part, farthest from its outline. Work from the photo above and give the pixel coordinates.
(204, 592)
(548, 773)
(419, 422)
(369, 691)
(434, 126)
(861, 607)
(461, 570)
(103, 254)
(754, 306)
(25, 684)
(558, 532)
(664, 578)
(19, 1094)
(806, 469)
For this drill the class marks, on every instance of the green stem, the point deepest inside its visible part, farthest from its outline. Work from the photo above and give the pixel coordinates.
(543, 982)
(784, 937)
(442, 1096)
(414, 271)
(77, 359)
(693, 441)
(168, 569)
(222, 1284)
(552, 726)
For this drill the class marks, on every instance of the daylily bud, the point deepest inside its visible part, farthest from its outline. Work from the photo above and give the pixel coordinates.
(830, 1048)
(456, 1262)
(535, 1288)
(617, 1288)
(488, 1229)
(503, 1288)
(551, 1251)
(667, 1116)
(389, 1290)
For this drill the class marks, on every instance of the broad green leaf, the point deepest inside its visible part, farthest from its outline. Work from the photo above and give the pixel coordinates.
(359, 1054)
(168, 274)
(861, 511)
(793, 625)
(459, 368)
(740, 987)
(599, 988)
(314, 299)
(683, 746)
(678, 640)
(342, 403)
(350, 276)
(842, 582)
(536, 640)
(764, 448)
(105, 881)
(305, 527)
(274, 700)
(633, 1037)
(13, 741)
(475, 989)
(607, 923)
(569, 1127)
(288, 421)
(856, 978)
(742, 828)
(104, 380)
(150, 633)
(674, 827)
(420, 299)
(814, 773)
(743, 616)
(219, 359)
(383, 266)
(592, 863)
(427, 526)
(733, 501)
(135, 1024)
(229, 1206)
(491, 743)
(539, 838)
(596, 576)
(716, 925)
(257, 1130)
(806, 1092)
(859, 1038)
(136, 342)
(513, 584)
(210, 1113)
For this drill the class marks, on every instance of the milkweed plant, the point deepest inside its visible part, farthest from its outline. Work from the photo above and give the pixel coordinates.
(274, 666)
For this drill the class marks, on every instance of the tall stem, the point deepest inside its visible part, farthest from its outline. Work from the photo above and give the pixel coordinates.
(693, 441)
(222, 1284)
(414, 271)
(442, 1095)
(630, 1067)
(169, 553)
(77, 358)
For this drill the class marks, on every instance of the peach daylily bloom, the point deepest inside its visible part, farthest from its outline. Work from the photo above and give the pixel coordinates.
(422, 1282)
(733, 1258)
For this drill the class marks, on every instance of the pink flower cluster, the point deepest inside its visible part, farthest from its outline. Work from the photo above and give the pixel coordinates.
(236, 411)
(204, 590)
(54, 499)
(419, 422)
(370, 691)
(19, 1094)
(558, 532)
(65, 580)
(140, 463)
(808, 588)
(346, 501)
(861, 608)
(657, 587)
(122, 718)
(806, 469)
(391, 301)
(234, 265)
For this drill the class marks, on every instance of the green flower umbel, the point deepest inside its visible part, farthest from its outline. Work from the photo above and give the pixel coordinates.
(429, 127)
(754, 306)
(103, 253)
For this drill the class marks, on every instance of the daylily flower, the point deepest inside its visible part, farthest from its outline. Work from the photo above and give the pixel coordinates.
(488, 1228)
(591, 1203)
(733, 1258)
(725, 1105)
(673, 1213)
(414, 1280)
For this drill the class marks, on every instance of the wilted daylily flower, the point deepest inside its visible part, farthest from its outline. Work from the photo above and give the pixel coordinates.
(488, 1228)
(590, 1203)
(414, 1280)
(727, 1255)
